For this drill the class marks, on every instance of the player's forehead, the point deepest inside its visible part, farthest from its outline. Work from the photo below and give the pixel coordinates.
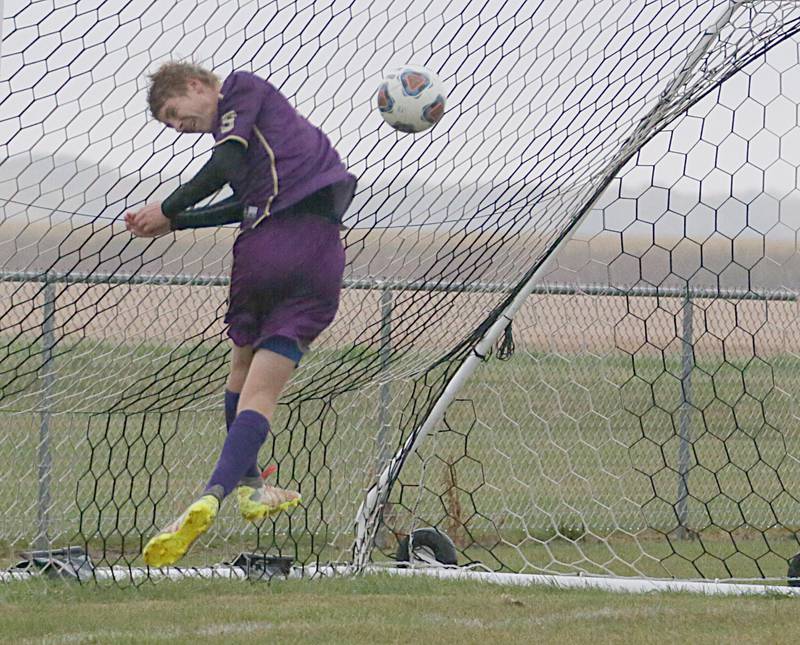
(171, 108)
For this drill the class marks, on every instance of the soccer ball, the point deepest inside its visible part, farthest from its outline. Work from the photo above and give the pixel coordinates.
(411, 98)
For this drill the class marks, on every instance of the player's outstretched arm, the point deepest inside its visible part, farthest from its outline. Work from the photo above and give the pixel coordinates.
(151, 222)
(158, 218)
(226, 164)
(227, 211)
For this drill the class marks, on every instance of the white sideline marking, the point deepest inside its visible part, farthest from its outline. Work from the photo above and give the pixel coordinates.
(237, 628)
(606, 612)
(159, 634)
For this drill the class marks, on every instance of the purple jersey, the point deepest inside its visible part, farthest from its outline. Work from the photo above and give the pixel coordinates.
(287, 159)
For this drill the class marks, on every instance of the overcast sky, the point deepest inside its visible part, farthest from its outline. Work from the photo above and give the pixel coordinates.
(76, 71)
(540, 94)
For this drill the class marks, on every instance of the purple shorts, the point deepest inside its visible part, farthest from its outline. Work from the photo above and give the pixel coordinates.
(285, 283)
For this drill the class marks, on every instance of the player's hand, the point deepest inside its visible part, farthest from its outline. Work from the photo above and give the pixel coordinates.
(149, 221)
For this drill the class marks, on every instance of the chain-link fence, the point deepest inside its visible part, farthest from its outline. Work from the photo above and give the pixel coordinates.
(632, 412)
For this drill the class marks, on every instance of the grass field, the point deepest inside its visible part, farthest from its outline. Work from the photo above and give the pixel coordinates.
(379, 609)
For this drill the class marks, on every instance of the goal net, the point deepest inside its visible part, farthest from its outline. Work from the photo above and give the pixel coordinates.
(617, 178)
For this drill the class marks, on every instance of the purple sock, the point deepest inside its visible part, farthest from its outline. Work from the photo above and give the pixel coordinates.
(231, 402)
(246, 436)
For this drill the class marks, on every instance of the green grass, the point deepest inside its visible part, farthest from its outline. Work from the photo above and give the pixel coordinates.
(378, 609)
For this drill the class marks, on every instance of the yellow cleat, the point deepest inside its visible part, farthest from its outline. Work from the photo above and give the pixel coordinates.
(257, 503)
(172, 543)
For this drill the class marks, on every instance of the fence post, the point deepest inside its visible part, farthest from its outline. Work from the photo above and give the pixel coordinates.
(385, 350)
(44, 457)
(383, 537)
(684, 446)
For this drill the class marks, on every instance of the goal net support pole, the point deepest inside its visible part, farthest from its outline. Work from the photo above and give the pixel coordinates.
(670, 104)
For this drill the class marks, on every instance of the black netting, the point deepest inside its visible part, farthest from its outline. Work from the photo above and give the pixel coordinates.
(644, 424)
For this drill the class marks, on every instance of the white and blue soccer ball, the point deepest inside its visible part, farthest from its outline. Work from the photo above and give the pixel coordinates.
(411, 98)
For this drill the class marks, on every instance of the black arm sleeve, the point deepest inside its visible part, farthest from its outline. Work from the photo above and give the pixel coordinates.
(226, 163)
(225, 212)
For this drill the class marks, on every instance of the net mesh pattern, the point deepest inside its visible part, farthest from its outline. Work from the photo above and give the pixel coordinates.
(644, 424)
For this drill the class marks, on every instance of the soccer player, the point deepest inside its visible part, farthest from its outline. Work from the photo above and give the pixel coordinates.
(290, 191)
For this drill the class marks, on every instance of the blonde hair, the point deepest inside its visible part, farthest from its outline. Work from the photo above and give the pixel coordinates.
(172, 79)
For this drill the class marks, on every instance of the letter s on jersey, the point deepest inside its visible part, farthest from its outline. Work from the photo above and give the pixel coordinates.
(227, 121)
